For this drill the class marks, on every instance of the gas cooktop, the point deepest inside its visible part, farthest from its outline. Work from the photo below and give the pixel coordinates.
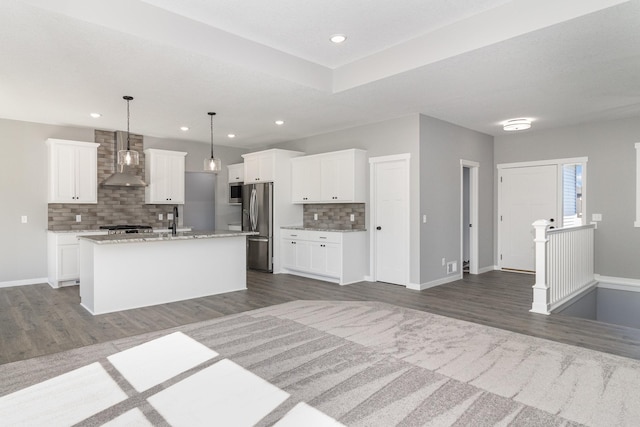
(126, 228)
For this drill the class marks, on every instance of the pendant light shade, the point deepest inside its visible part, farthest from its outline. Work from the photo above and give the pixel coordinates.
(212, 164)
(128, 157)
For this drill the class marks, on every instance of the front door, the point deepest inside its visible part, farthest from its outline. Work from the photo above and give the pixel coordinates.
(527, 194)
(390, 220)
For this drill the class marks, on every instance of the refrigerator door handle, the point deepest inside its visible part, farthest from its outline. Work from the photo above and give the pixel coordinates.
(253, 209)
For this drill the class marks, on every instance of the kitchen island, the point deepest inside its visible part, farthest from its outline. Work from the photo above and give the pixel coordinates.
(125, 271)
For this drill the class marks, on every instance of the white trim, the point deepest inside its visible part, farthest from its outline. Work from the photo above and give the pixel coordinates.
(473, 213)
(567, 161)
(637, 221)
(619, 283)
(24, 282)
(373, 161)
(488, 269)
(391, 158)
(434, 283)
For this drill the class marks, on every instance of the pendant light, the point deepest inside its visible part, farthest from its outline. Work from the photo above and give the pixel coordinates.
(212, 164)
(128, 157)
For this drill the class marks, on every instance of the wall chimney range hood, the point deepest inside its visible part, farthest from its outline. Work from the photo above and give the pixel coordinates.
(122, 177)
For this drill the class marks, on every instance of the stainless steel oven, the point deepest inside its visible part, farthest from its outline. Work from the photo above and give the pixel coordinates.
(235, 192)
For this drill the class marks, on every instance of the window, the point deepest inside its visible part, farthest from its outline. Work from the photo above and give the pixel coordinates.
(572, 213)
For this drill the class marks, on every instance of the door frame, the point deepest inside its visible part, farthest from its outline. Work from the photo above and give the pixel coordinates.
(373, 161)
(474, 169)
(557, 162)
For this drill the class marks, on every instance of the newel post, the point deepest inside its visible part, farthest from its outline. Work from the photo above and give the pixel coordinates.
(541, 288)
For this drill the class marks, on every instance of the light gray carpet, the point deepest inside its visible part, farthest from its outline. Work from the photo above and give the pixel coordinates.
(375, 364)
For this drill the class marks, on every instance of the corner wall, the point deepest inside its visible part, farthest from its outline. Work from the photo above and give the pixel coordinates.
(442, 146)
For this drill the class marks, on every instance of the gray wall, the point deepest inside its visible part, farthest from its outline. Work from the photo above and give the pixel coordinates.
(610, 188)
(23, 190)
(436, 148)
(442, 146)
(379, 139)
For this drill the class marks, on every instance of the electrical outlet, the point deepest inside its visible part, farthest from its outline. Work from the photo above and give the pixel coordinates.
(78, 218)
(443, 261)
(315, 217)
(352, 217)
(424, 219)
(160, 217)
(596, 217)
(23, 219)
(169, 216)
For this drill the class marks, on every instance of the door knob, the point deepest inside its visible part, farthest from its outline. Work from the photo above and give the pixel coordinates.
(378, 228)
(551, 220)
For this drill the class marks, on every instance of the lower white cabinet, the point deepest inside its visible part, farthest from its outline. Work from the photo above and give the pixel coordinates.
(334, 256)
(63, 257)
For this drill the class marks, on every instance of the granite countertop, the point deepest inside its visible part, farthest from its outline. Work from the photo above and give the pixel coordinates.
(97, 230)
(333, 230)
(157, 237)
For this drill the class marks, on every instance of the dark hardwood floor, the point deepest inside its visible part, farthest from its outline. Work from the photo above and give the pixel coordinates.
(37, 320)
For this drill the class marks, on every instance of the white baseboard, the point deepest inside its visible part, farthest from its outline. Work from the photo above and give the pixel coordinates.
(23, 282)
(618, 283)
(433, 283)
(488, 269)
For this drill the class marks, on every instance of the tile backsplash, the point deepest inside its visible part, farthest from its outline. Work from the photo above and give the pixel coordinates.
(116, 205)
(335, 216)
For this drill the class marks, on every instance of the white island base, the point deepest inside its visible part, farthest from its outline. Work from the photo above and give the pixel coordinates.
(118, 276)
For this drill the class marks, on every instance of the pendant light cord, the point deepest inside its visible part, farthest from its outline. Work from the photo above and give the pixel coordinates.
(211, 115)
(128, 99)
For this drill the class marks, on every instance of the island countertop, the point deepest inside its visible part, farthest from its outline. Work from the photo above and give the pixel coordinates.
(331, 230)
(156, 237)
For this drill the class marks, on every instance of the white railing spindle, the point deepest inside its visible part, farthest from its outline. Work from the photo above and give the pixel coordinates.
(564, 264)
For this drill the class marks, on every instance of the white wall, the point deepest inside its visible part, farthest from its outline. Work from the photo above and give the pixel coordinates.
(23, 191)
(611, 173)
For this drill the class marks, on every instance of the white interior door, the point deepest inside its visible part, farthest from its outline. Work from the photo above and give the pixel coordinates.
(390, 222)
(526, 195)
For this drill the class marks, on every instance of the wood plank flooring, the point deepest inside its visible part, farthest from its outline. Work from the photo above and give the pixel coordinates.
(37, 320)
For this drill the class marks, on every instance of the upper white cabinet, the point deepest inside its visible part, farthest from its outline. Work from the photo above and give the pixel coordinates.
(336, 177)
(263, 166)
(73, 171)
(164, 174)
(236, 172)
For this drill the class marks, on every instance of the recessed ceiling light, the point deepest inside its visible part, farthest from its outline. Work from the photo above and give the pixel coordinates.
(231, 135)
(184, 128)
(338, 38)
(95, 115)
(279, 122)
(516, 124)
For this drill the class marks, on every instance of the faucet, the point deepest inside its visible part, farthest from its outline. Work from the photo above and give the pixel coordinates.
(174, 223)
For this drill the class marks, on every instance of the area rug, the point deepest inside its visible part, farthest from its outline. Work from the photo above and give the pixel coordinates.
(320, 363)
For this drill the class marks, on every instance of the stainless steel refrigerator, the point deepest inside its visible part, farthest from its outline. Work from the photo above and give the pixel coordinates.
(257, 215)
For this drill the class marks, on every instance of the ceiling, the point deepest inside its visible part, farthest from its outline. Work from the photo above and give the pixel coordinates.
(475, 63)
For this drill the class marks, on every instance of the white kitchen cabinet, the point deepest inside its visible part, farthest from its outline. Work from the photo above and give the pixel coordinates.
(259, 167)
(335, 177)
(236, 172)
(305, 179)
(339, 257)
(73, 171)
(63, 257)
(164, 174)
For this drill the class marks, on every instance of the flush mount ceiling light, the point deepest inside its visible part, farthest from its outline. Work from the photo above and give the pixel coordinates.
(212, 164)
(231, 135)
(95, 115)
(128, 157)
(184, 128)
(516, 124)
(279, 122)
(338, 38)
